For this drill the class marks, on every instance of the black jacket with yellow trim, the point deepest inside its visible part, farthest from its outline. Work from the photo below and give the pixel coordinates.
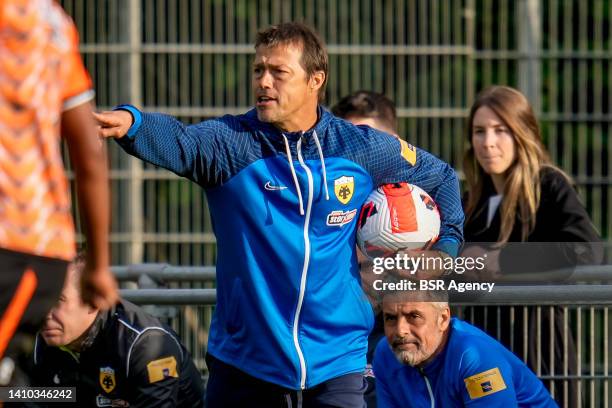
(563, 237)
(128, 358)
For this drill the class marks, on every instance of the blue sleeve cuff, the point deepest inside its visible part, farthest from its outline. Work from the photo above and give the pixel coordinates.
(135, 114)
(447, 246)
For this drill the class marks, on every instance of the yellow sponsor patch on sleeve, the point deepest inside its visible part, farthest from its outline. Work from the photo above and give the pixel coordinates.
(161, 369)
(486, 383)
(408, 152)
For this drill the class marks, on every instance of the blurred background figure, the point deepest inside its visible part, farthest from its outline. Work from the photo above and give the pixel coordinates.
(44, 91)
(368, 108)
(515, 194)
(119, 357)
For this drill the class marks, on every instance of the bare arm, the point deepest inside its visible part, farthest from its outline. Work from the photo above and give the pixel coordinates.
(88, 157)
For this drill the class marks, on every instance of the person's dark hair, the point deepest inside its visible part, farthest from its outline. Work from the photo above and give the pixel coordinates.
(314, 55)
(367, 104)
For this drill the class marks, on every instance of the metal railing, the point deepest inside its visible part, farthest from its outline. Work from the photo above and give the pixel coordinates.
(584, 307)
(502, 295)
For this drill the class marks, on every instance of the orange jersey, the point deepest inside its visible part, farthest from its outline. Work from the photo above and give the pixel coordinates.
(41, 75)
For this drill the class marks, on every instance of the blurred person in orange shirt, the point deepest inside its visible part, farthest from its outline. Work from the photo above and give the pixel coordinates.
(45, 92)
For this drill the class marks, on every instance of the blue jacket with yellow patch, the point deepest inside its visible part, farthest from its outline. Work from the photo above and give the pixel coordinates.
(290, 309)
(473, 370)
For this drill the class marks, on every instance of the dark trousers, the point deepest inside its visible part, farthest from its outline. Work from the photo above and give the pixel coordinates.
(29, 287)
(229, 387)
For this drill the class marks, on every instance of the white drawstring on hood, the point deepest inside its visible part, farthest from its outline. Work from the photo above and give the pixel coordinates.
(295, 180)
(294, 175)
(316, 139)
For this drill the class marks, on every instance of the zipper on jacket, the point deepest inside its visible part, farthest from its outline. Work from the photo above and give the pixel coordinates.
(431, 395)
(296, 319)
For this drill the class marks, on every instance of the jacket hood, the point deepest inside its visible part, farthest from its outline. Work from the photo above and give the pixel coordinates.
(251, 121)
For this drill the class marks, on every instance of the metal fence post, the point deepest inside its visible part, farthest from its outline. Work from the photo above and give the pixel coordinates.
(530, 45)
(470, 42)
(136, 166)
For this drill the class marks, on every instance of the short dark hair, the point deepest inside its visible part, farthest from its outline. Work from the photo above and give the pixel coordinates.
(314, 55)
(368, 104)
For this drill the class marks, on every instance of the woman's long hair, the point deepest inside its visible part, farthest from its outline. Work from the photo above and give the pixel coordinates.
(522, 187)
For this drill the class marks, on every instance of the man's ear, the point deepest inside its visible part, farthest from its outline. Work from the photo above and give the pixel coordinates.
(316, 80)
(444, 319)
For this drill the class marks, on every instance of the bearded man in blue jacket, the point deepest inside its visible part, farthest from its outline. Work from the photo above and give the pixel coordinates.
(285, 183)
(430, 359)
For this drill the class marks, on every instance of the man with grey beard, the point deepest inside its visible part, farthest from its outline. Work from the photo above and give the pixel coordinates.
(429, 358)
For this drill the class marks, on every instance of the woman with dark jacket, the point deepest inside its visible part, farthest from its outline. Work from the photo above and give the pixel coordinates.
(516, 195)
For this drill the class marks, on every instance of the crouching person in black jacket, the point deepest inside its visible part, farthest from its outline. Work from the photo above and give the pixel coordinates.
(123, 357)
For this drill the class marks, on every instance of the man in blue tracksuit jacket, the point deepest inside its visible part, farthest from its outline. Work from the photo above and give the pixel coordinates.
(285, 183)
(430, 359)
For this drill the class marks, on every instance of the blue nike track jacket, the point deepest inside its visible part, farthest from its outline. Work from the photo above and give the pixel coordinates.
(290, 309)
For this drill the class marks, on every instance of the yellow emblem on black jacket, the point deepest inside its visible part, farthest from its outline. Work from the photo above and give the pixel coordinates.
(107, 379)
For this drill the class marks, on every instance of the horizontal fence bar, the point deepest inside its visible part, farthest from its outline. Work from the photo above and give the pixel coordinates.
(170, 296)
(518, 295)
(161, 237)
(592, 273)
(575, 117)
(544, 54)
(578, 274)
(502, 295)
(165, 272)
(151, 174)
(438, 113)
(350, 49)
(366, 49)
(336, 49)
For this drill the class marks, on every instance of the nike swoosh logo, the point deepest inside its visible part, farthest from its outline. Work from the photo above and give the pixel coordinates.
(270, 187)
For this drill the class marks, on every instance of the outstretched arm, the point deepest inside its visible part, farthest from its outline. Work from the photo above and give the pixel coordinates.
(193, 151)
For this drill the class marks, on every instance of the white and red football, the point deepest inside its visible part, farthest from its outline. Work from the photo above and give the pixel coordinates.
(397, 216)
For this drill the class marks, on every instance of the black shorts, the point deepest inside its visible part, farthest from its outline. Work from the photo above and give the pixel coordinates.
(30, 286)
(230, 387)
